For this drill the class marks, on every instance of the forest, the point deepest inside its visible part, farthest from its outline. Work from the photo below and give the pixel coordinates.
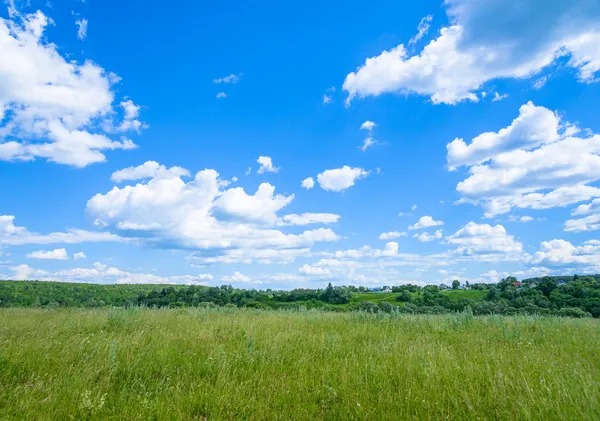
(574, 296)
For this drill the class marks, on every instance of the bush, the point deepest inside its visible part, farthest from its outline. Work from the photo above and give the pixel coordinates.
(368, 307)
(386, 307)
(572, 312)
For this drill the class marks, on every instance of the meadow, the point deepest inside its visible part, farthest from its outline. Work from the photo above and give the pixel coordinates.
(231, 364)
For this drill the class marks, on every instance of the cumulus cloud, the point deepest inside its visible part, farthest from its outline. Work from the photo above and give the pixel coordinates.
(101, 273)
(130, 119)
(369, 140)
(590, 220)
(308, 183)
(54, 108)
(391, 235)
(426, 237)
(239, 278)
(149, 169)
(204, 215)
(79, 255)
(314, 271)
(367, 125)
(486, 41)
(425, 222)
(340, 179)
(477, 239)
(562, 252)
(266, 165)
(533, 127)
(221, 95)
(537, 162)
(11, 234)
(56, 254)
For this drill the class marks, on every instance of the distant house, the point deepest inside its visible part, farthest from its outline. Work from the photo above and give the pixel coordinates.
(517, 284)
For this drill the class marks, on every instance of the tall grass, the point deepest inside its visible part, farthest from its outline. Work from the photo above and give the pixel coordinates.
(230, 364)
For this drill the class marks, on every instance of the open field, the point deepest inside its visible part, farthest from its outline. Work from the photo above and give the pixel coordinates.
(231, 364)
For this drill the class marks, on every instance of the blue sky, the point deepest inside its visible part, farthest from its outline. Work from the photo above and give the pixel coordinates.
(278, 146)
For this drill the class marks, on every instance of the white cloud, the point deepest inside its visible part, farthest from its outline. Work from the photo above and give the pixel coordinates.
(422, 29)
(498, 97)
(131, 113)
(493, 276)
(367, 143)
(79, 255)
(367, 125)
(266, 165)
(476, 239)
(309, 218)
(539, 83)
(390, 250)
(426, 237)
(413, 208)
(589, 222)
(100, 273)
(24, 272)
(533, 272)
(221, 95)
(53, 108)
(308, 183)
(425, 222)
(259, 207)
(81, 28)
(391, 235)
(56, 254)
(561, 252)
(486, 41)
(203, 214)
(328, 95)
(265, 256)
(11, 234)
(340, 178)
(533, 127)
(525, 219)
(537, 162)
(239, 278)
(314, 271)
(149, 169)
(369, 140)
(232, 78)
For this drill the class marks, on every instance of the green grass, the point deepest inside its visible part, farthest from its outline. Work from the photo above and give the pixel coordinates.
(230, 364)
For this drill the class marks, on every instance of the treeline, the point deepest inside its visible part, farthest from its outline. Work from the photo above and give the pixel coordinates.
(63, 294)
(550, 295)
(563, 296)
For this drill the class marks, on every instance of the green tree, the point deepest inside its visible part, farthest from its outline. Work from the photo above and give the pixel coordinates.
(455, 284)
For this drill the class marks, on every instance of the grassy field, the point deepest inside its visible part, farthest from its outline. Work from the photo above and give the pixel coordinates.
(232, 364)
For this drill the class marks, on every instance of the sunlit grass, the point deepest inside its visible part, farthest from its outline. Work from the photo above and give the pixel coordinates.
(140, 364)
